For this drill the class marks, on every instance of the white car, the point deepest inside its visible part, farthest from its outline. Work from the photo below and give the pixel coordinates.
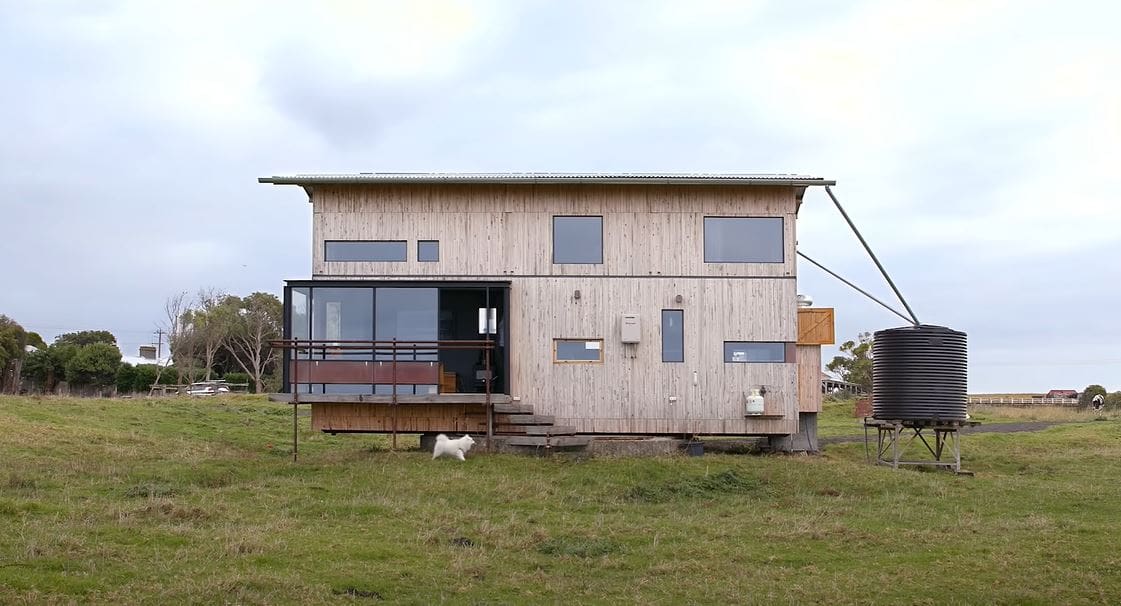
(207, 388)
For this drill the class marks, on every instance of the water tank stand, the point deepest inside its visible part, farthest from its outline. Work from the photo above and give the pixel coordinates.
(894, 438)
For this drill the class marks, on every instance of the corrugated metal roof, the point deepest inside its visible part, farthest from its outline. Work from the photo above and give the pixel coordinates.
(550, 178)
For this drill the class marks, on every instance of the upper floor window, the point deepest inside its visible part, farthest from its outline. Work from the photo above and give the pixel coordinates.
(366, 250)
(428, 250)
(744, 240)
(577, 239)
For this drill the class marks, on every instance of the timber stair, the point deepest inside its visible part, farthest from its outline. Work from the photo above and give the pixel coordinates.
(516, 424)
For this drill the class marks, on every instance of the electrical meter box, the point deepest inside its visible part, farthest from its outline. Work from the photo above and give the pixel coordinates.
(632, 332)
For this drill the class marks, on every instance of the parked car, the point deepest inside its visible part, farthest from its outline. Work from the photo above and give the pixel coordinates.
(208, 388)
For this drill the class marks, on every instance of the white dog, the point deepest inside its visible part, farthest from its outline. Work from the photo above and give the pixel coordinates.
(453, 448)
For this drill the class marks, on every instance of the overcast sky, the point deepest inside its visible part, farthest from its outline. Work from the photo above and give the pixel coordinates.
(976, 144)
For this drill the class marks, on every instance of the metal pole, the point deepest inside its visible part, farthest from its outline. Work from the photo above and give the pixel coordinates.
(296, 405)
(853, 286)
(394, 405)
(914, 319)
(486, 372)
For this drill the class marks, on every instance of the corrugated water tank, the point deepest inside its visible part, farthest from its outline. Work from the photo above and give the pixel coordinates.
(919, 374)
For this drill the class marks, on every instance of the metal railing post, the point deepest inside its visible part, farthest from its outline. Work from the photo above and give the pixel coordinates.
(489, 405)
(296, 406)
(394, 388)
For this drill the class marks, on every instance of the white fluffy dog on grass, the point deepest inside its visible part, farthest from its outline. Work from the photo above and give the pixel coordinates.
(452, 448)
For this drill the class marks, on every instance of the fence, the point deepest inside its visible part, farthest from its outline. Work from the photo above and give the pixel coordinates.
(1023, 402)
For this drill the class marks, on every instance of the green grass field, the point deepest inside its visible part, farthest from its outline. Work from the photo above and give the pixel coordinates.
(197, 501)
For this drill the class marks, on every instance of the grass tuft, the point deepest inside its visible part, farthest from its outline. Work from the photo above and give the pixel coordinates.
(355, 592)
(578, 547)
(150, 491)
(726, 482)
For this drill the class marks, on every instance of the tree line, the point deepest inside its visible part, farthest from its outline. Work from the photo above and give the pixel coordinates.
(209, 335)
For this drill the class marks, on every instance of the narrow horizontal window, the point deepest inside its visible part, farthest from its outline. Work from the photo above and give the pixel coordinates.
(577, 239)
(578, 350)
(754, 352)
(744, 240)
(428, 250)
(366, 250)
(673, 335)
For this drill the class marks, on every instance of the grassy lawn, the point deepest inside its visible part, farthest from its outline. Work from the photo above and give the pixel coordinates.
(197, 501)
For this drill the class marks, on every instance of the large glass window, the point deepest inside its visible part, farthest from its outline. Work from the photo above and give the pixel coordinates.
(342, 314)
(577, 239)
(673, 335)
(366, 250)
(754, 352)
(577, 350)
(743, 240)
(298, 314)
(407, 314)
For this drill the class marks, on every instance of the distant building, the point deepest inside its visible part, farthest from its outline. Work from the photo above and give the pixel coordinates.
(1062, 393)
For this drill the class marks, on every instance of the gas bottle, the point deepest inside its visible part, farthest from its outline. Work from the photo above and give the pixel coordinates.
(754, 405)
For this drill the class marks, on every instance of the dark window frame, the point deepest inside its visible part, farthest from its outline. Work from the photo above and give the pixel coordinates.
(681, 315)
(420, 257)
(786, 353)
(556, 351)
(782, 237)
(327, 251)
(554, 239)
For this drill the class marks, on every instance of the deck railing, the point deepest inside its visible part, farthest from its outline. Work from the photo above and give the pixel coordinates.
(384, 353)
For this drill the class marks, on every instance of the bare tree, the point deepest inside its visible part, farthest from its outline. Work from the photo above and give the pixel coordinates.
(180, 345)
(255, 321)
(208, 326)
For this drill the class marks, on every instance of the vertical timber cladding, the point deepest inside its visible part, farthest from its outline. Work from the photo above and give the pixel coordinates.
(495, 230)
(625, 394)
(653, 251)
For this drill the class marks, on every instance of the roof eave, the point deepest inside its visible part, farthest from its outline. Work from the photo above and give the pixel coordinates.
(311, 180)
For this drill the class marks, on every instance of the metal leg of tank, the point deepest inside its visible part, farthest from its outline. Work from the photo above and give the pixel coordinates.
(894, 439)
(803, 441)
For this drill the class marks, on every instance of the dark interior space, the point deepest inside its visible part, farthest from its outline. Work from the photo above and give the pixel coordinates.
(459, 320)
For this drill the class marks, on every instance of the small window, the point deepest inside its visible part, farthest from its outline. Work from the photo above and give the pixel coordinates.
(577, 239)
(743, 240)
(577, 350)
(673, 335)
(754, 352)
(366, 250)
(428, 250)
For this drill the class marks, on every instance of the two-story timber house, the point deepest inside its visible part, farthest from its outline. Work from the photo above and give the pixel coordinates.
(534, 305)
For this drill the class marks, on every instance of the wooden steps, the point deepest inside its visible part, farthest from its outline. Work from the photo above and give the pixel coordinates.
(516, 425)
(522, 420)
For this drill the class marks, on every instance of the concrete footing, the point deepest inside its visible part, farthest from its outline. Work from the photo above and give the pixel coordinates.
(803, 441)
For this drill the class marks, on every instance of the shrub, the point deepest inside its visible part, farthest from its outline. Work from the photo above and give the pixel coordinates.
(237, 377)
(94, 365)
(126, 379)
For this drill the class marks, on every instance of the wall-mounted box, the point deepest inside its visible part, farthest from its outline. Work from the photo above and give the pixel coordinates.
(631, 329)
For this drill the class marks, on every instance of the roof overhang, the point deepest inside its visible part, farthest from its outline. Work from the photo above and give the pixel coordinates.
(791, 180)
